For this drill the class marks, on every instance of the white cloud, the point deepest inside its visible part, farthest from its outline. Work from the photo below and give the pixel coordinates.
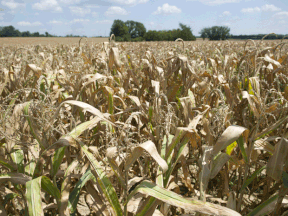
(115, 10)
(264, 8)
(70, 1)
(167, 9)
(103, 22)
(282, 21)
(25, 23)
(281, 15)
(216, 2)
(55, 22)
(1, 16)
(226, 13)
(12, 5)
(271, 7)
(80, 20)
(47, 5)
(79, 11)
(130, 2)
(36, 13)
(251, 10)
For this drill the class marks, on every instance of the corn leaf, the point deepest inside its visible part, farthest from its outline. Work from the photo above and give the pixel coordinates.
(253, 176)
(103, 181)
(150, 147)
(151, 189)
(276, 162)
(75, 194)
(33, 196)
(230, 135)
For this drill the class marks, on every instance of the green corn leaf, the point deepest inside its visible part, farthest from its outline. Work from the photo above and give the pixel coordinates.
(18, 158)
(33, 196)
(263, 205)
(240, 142)
(172, 166)
(75, 133)
(103, 181)
(75, 194)
(57, 160)
(171, 198)
(253, 176)
(50, 188)
(7, 165)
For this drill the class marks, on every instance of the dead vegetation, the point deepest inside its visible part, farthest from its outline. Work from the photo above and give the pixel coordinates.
(161, 128)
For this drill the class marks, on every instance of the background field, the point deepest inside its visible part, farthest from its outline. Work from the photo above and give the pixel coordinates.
(7, 41)
(46, 40)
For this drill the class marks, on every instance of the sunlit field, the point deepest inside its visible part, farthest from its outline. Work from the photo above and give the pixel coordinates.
(46, 40)
(143, 128)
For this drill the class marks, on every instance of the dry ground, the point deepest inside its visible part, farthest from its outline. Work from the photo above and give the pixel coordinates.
(46, 40)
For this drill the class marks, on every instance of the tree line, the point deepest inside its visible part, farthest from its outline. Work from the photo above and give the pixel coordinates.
(258, 37)
(10, 31)
(136, 31)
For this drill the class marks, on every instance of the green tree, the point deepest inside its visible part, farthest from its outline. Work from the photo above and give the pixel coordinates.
(215, 33)
(8, 31)
(204, 33)
(186, 33)
(135, 29)
(153, 36)
(35, 34)
(26, 34)
(119, 29)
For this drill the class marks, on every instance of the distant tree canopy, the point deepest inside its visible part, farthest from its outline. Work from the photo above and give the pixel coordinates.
(258, 37)
(120, 30)
(215, 33)
(184, 32)
(10, 31)
(136, 31)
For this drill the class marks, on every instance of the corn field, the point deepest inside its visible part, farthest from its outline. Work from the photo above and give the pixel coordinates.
(148, 128)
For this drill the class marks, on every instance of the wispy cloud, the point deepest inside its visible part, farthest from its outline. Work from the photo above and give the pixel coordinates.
(271, 7)
(70, 1)
(281, 15)
(80, 21)
(79, 11)
(225, 13)
(264, 8)
(104, 22)
(25, 23)
(55, 22)
(251, 10)
(115, 10)
(129, 2)
(49, 5)
(12, 5)
(216, 2)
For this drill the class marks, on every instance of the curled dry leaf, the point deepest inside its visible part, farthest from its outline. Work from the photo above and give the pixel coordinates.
(276, 162)
(149, 147)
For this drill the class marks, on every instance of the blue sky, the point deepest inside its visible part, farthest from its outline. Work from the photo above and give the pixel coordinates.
(95, 17)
